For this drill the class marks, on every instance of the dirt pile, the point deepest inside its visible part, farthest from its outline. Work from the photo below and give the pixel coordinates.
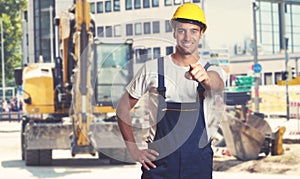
(285, 164)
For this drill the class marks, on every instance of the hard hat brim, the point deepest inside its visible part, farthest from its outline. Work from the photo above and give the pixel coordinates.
(190, 21)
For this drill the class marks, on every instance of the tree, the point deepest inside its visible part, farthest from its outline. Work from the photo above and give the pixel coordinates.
(11, 13)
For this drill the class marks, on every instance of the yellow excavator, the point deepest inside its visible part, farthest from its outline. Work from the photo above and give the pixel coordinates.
(69, 104)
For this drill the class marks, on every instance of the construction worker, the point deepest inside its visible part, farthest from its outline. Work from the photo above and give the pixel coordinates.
(178, 84)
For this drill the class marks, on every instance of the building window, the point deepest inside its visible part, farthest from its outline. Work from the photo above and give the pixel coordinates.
(147, 28)
(155, 25)
(141, 55)
(169, 50)
(92, 7)
(42, 29)
(146, 3)
(108, 31)
(128, 4)
(99, 7)
(277, 77)
(155, 3)
(100, 31)
(107, 6)
(117, 30)
(156, 52)
(177, 2)
(168, 26)
(195, 1)
(129, 29)
(297, 36)
(116, 5)
(138, 28)
(268, 78)
(168, 2)
(137, 4)
(149, 54)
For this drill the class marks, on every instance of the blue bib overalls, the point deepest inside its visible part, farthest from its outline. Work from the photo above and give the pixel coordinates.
(180, 139)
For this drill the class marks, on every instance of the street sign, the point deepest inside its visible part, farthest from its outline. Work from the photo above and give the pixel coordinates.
(257, 68)
(219, 57)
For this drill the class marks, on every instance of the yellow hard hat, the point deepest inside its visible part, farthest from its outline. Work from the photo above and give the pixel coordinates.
(190, 13)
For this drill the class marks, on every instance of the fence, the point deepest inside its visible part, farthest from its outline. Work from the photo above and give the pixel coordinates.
(273, 100)
(11, 116)
(294, 110)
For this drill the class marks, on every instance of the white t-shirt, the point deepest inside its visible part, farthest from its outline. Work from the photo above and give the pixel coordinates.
(178, 88)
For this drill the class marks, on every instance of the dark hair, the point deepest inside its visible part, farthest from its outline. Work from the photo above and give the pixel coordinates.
(183, 20)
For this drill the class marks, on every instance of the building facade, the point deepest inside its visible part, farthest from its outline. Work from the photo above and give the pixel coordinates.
(145, 22)
(275, 22)
(40, 28)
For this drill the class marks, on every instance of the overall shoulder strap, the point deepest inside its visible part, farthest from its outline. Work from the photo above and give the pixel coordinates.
(161, 80)
(207, 65)
(200, 88)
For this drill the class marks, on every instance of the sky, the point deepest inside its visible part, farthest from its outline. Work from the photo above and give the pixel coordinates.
(229, 22)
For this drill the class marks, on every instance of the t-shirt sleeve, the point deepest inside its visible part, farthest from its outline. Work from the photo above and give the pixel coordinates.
(137, 86)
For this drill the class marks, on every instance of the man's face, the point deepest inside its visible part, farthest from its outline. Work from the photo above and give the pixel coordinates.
(187, 36)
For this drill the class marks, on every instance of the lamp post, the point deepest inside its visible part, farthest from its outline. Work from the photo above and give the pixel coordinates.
(2, 58)
(51, 34)
(255, 54)
(203, 37)
(284, 41)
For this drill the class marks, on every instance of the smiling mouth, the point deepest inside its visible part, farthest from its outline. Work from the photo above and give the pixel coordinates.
(187, 45)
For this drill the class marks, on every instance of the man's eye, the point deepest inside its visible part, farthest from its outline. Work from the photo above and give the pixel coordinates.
(194, 31)
(181, 31)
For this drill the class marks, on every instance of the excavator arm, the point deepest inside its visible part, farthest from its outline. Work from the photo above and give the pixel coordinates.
(82, 91)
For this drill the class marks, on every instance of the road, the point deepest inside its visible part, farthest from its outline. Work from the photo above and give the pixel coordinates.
(82, 166)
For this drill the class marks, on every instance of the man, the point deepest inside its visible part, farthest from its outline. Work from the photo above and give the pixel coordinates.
(179, 143)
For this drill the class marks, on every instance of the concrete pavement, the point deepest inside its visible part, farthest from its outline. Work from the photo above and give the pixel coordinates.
(229, 175)
(13, 126)
(133, 171)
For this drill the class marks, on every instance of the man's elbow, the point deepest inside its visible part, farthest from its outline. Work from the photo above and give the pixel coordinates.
(221, 85)
(126, 103)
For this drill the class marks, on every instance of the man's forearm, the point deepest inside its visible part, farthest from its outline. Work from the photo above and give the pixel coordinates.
(127, 133)
(125, 126)
(215, 82)
(125, 121)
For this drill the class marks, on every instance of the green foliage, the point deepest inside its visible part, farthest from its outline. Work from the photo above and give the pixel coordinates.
(11, 13)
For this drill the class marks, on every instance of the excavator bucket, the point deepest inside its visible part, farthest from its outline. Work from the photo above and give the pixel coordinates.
(246, 136)
(245, 140)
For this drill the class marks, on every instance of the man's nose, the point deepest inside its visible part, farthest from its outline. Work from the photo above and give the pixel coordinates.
(187, 35)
